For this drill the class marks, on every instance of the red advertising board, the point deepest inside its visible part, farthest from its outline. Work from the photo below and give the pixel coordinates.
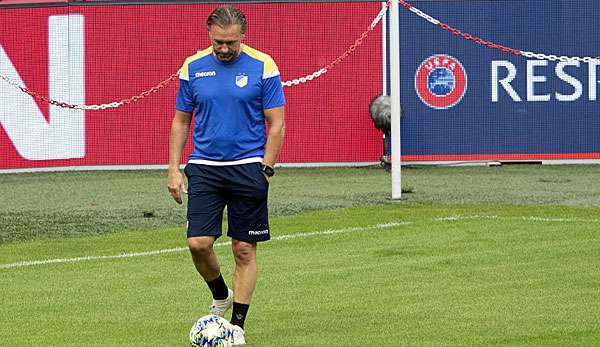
(101, 54)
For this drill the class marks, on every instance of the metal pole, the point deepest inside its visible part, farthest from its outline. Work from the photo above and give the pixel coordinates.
(395, 99)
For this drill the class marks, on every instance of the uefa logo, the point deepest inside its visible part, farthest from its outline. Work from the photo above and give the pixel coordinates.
(441, 81)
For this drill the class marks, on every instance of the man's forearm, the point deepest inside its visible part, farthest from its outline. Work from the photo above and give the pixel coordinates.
(276, 126)
(177, 139)
(273, 146)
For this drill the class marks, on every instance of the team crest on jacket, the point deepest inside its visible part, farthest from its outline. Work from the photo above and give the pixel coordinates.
(441, 81)
(241, 80)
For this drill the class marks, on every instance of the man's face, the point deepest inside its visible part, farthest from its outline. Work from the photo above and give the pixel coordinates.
(226, 41)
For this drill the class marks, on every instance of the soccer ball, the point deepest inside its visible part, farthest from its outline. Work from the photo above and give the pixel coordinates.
(211, 331)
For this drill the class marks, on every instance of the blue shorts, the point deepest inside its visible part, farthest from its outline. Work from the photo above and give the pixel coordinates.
(242, 188)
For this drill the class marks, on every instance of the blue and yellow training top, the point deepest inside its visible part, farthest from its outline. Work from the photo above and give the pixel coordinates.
(228, 99)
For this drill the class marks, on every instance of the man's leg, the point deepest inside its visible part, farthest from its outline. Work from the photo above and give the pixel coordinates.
(207, 265)
(244, 279)
(205, 215)
(204, 257)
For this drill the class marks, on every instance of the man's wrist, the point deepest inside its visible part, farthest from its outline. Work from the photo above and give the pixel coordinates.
(267, 170)
(173, 169)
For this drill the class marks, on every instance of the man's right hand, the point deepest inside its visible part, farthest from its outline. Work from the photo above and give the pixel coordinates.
(176, 185)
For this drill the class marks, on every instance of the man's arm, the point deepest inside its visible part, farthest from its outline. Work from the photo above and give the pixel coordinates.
(276, 125)
(178, 137)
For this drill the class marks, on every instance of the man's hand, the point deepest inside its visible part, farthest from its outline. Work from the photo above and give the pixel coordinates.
(176, 185)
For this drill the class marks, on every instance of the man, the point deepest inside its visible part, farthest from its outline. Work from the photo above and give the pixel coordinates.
(231, 89)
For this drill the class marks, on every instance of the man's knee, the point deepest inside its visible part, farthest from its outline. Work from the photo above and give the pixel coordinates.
(201, 246)
(244, 252)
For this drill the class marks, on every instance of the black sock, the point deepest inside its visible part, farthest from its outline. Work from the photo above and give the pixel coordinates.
(238, 315)
(218, 288)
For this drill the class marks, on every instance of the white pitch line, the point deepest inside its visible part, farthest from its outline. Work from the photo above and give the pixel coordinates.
(182, 249)
(525, 218)
(289, 237)
(546, 219)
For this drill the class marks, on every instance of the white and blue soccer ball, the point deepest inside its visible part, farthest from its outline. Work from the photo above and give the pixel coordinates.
(211, 331)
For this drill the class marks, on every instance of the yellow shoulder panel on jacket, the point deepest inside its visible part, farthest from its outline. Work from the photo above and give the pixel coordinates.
(184, 71)
(270, 68)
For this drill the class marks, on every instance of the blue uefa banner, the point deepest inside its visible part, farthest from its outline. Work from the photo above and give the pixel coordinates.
(466, 101)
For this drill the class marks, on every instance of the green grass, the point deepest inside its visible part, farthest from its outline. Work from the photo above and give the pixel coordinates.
(452, 275)
(57, 205)
(502, 256)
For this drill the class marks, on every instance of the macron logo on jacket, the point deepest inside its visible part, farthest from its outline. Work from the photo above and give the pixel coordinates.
(206, 74)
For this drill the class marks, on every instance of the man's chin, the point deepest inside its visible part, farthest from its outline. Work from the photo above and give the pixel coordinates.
(226, 58)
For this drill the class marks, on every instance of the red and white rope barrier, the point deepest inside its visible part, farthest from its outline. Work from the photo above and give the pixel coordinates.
(173, 77)
(478, 40)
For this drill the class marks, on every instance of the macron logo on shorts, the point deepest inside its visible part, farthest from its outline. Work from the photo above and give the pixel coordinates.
(258, 232)
(206, 74)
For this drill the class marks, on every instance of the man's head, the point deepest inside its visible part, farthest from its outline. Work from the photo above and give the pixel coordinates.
(226, 28)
